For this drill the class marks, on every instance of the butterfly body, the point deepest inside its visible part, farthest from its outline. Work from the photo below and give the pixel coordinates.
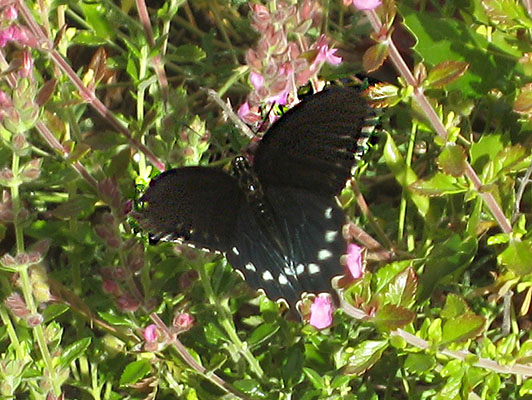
(278, 220)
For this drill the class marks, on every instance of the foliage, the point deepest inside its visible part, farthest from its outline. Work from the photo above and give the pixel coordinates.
(94, 94)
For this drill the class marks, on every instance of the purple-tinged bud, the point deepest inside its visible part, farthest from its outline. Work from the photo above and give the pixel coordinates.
(6, 174)
(17, 305)
(7, 260)
(22, 258)
(183, 322)
(128, 303)
(34, 320)
(111, 287)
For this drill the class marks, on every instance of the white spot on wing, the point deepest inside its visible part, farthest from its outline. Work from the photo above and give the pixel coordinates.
(313, 269)
(267, 276)
(288, 271)
(282, 279)
(235, 251)
(324, 254)
(250, 267)
(330, 236)
(300, 268)
(328, 213)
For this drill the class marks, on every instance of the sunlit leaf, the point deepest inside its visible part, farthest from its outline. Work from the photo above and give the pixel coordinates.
(446, 72)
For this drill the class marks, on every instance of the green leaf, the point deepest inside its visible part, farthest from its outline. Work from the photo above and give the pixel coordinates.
(452, 160)
(53, 311)
(74, 351)
(485, 150)
(508, 13)
(446, 72)
(187, 53)
(516, 257)
(374, 57)
(402, 289)
(403, 173)
(454, 307)
(262, 333)
(438, 185)
(419, 363)
(364, 356)
(390, 317)
(134, 372)
(96, 17)
(314, 377)
(115, 319)
(451, 256)
(250, 387)
(440, 39)
(383, 276)
(462, 328)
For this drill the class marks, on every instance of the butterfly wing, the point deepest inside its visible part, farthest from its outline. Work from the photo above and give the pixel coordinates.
(194, 204)
(312, 145)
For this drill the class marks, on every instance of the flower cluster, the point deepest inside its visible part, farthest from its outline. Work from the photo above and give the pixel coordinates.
(10, 31)
(283, 59)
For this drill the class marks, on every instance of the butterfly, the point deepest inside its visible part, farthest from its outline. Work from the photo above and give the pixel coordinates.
(277, 221)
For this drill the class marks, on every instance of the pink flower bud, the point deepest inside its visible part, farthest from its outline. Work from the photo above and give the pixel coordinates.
(321, 312)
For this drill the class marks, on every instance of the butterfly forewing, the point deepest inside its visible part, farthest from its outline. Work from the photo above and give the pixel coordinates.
(312, 145)
(193, 204)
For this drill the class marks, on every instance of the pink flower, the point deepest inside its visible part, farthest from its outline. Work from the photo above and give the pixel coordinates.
(150, 333)
(325, 54)
(183, 321)
(365, 4)
(256, 79)
(321, 312)
(354, 260)
(10, 13)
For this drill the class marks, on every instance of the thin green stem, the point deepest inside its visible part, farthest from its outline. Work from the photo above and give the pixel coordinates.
(227, 323)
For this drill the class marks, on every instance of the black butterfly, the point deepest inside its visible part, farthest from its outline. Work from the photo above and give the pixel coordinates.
(277, 221)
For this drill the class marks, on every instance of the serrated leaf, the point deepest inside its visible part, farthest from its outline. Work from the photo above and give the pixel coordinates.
(516, 257)
(438, 185)
(134, 372)
(446, 72)
(462, 328)
(383, 95)
(74, 351)
(383, 276)
(506, 12)
(364, 356)
(374, 57)
(454, 306)
(523, 102)
(452, 160)
(511, 159)
(402, 289)
(187, 53)
(390, 317)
